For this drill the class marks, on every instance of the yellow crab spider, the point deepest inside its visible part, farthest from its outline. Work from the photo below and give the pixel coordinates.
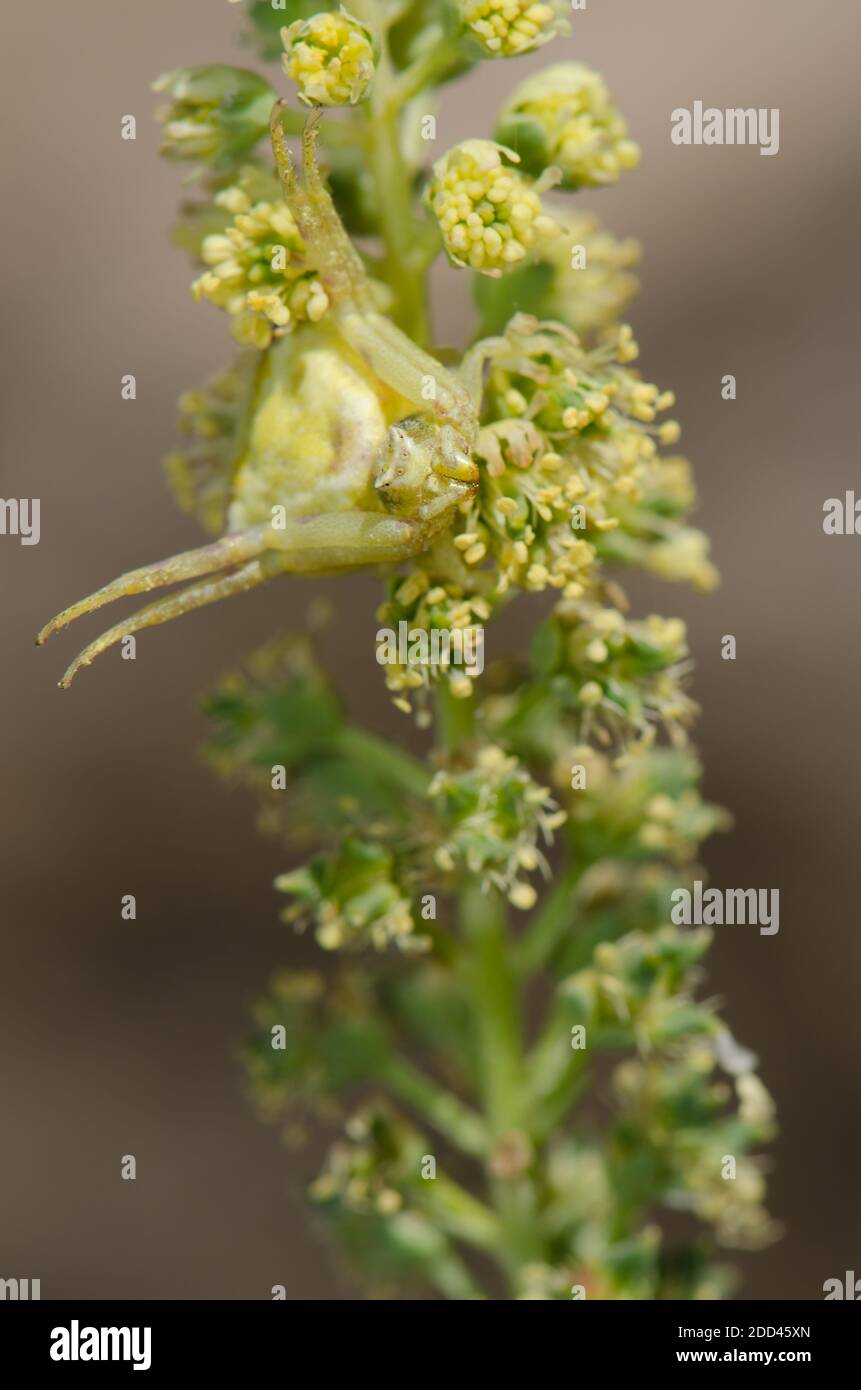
(356, 450)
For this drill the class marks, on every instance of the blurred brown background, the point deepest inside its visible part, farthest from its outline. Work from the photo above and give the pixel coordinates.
(118, 1037)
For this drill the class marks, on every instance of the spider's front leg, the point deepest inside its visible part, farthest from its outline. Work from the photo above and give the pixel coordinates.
(406, 368)
(394, 358)
(454, 398)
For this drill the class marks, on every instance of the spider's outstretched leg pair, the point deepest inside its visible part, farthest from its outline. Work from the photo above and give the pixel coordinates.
(309, 544)
(303, 545)
(191, 564)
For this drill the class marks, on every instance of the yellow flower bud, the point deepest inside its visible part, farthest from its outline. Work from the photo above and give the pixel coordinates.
(670, 432)
(490, 217)
(565, 116)
(523, 896)
(591, 693)
(257, 269)
(507, 28)
(330, 57)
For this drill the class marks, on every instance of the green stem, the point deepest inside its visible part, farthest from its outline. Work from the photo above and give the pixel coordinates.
(486, 963)
(454, 718)
(494, 990)
(483, 920)
(381, 137)
(557, 1078)
(453, 1279)
(422, 1242)
(440, 60)
(549, 926)
(391, 762)
(459, 1214)
(448, 1115)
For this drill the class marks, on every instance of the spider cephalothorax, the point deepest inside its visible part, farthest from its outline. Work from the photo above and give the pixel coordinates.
(423, 468)
(356, 447)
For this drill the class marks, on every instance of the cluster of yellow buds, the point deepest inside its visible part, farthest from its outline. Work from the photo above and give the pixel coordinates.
(442, 598)
(611, 682)
(641, 983)
(625, 678)
(593, 281)
(585, 280)
(667, 825)
(369, 1168)
(353, 899)
(256, 267)
(683, 558)
(569, 440)
(549, 377)
(330, 57)
(654, 1094)
(565, 116)
(646, 804)
(507, 28)
(570, 476)
(735, 1209)
(495, 813)
(490, 216)
(651, 535)
(524, 511)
